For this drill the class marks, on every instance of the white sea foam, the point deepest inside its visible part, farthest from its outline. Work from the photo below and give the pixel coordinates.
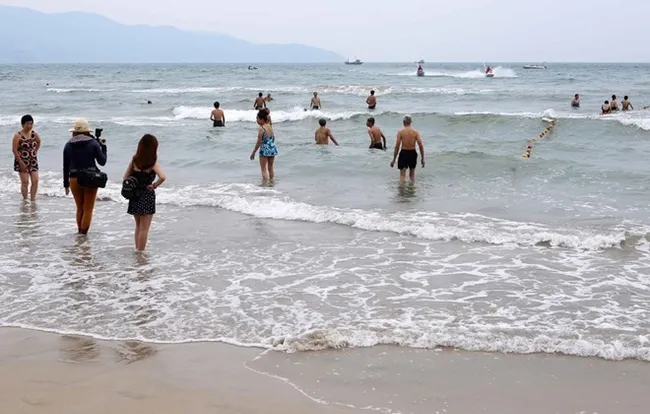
(499, 72)
(72, 90)
(237, 115)
(466, 228)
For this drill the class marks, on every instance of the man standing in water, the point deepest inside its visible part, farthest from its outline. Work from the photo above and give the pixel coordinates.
(260, 102)
(575, 102)
(372, 100)
(315, 102)
(407, 138)
(323, 134)
(217, 116)
(376, 136)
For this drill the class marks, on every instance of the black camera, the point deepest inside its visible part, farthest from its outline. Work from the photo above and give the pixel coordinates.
(98, 132)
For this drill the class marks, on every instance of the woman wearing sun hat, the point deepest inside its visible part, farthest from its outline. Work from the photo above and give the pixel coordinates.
(79, 156)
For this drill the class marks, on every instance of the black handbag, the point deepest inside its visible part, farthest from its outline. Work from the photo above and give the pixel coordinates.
(92, 179)
(131, 189)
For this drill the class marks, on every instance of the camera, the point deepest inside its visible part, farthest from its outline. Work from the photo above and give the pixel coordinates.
(98, 134)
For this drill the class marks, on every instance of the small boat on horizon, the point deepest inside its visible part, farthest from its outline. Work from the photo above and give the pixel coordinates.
(535, 66)
(353, 62)
(421, 62)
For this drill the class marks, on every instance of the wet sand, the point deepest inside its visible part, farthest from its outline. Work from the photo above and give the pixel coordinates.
(50, 373)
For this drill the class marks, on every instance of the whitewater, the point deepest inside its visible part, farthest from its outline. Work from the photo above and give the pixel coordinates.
(488, 251)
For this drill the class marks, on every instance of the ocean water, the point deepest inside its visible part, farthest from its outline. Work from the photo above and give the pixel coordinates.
(488, 251)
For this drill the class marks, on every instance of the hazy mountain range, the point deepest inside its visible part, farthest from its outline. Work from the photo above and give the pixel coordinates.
(29, 36)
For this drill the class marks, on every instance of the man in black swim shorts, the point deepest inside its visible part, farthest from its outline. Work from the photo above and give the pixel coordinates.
(315, 102)
(407, 138)
(217, 116)
(376, 136)
(260, 102)
(372, 100)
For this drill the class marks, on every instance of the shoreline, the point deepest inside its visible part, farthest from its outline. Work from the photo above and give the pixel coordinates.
(47, 372)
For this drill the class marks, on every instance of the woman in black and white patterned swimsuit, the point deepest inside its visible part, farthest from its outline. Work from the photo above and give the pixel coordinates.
(144, 168)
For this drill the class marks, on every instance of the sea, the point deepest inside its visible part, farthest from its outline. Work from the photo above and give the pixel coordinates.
(487, 251)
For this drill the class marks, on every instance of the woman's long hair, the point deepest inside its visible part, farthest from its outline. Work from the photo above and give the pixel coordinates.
(147, 153)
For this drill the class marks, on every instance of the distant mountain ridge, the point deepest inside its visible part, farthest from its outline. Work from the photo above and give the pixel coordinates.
(29, 36)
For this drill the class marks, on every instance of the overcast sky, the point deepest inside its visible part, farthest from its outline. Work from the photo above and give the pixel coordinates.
(399, 30)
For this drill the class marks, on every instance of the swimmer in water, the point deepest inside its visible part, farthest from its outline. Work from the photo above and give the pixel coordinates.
(605, 108)
(407, 139)
(315, 102)
(323, 134)
(376, 136)
(613, 105)
(217, 116)
(260, 102)
(575, 102)
(626, 104)
(372, 100)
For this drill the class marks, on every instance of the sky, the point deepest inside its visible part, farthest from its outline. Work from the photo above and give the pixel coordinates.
(404, 31)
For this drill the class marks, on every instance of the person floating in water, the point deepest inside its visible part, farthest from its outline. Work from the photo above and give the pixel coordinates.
(372, 100)
(268, 98)
(613, 105)
(575, 102)
(315, 102)
(323, 134)
(605, 108)
(217, 116)
(260, 102)
(407, 138)
(626, 104)
(376, 136)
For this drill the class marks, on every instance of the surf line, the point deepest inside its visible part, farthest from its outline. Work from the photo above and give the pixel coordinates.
(531, 142)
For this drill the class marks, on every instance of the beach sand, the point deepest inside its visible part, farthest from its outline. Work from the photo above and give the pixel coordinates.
(51, 373)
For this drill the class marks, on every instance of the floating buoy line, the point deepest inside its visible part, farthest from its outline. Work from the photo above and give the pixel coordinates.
(531, 142)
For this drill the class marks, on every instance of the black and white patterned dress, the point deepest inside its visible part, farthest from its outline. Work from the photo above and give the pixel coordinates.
(146, 203)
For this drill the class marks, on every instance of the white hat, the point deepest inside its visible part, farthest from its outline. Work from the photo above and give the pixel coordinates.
(81, 126)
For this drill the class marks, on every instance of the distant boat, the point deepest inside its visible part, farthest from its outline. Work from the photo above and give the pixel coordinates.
(534, 67)
(353, 62)
(421, 62)
(420, 71)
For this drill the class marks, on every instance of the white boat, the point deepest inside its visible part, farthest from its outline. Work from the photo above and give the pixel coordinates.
(420, 72)
(353, 62)
(534, 67)
(489, 75)
(420, 62)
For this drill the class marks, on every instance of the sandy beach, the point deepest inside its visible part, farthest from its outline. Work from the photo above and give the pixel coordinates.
(50, 373)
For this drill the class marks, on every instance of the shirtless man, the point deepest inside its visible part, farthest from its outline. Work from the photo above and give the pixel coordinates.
(407, 138)
(376, 136)
(613, 106)
(315, 102)
(605, 108)
(323, 134)
(268, 98)
(626, 105)
(575, 102)
(372, 100)
(260, 102)
(217, 116)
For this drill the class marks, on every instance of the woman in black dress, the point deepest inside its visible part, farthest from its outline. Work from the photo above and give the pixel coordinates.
(144, 168)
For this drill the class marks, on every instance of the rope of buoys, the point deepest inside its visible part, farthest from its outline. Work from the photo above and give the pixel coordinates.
(531, 142)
